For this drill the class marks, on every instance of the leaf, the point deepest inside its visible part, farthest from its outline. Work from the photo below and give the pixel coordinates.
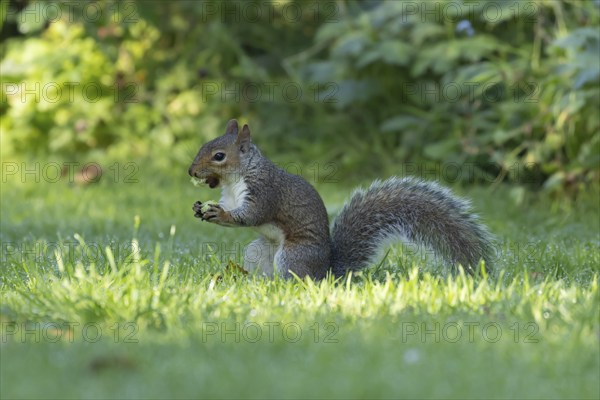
(396, 52)
(577, 38)
(368, 58)
(400, 123)
(350, 45)
(586, 76)
(424, 31)
(477, 47)
(500, 136)
(319, 72)
(391, 52)
(351, 91)
(555, 180)
(331, 31)
(435, 57)
(32, 18)
(476, 73)
(441, 150)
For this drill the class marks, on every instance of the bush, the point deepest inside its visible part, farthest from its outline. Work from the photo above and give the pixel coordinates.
(510, 87)
(517, 92)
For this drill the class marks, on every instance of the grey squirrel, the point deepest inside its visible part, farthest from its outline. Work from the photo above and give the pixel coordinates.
(291, 218)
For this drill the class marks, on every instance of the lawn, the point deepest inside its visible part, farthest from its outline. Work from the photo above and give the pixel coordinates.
(113, 289)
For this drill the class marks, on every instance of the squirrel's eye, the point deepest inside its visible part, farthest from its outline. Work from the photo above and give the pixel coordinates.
(219, 156)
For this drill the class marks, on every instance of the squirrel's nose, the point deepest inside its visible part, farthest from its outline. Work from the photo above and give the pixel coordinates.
(191, 172)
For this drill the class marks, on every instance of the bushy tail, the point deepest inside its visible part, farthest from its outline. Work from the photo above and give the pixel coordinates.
(407, 209)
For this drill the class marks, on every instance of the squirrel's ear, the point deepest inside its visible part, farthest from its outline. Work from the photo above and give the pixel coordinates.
(244, 139)
(232, 127)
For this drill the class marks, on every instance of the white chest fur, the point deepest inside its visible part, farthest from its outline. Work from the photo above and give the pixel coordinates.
(272, 233)
(233, 194)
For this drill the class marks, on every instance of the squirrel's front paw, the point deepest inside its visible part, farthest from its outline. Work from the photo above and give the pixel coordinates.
(214, 213)
(197, 207)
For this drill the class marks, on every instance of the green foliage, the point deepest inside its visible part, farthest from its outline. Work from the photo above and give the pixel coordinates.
(502, 85)
(135, 80)
(520, 90)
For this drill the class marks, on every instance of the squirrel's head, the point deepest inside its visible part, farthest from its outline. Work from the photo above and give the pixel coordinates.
(221, 159)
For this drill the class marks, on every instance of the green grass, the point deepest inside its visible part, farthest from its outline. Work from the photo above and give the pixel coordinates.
(169, 321)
